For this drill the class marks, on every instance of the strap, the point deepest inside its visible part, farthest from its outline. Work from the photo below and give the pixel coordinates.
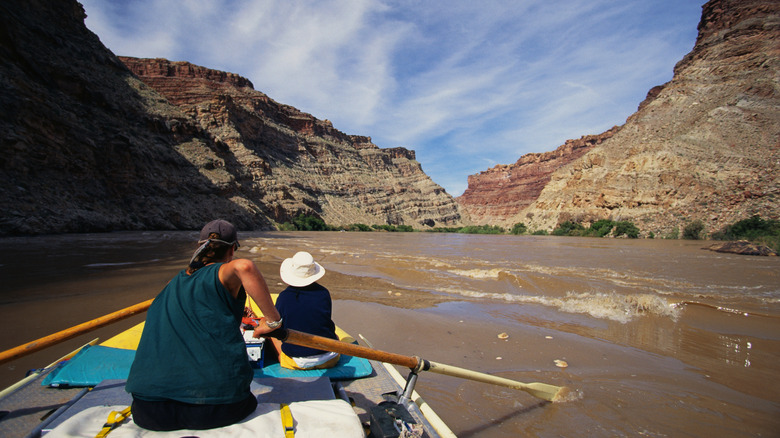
(287, 421)
(114, 419)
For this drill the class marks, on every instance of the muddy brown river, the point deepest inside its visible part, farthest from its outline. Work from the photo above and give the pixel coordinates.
(660, 337)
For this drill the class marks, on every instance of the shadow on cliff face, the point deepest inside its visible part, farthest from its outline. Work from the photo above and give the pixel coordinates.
(87, 146)
(255, 159)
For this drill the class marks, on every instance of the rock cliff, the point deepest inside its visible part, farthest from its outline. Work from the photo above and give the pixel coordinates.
(290, 161)
(90, 144)
(704, 146)
(503, 191)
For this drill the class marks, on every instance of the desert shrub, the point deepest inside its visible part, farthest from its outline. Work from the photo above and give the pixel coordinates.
(482, 229)
(357, 227)
(286, 227)
(755, 229)
(600, 228)
(749, 229)
(568, 228)
(693, 230)
(770, 241)
(443, 230)
(393, 228)
(674, 234)
(540, 233)
(304, 222)
(519, 228)
(628, 228)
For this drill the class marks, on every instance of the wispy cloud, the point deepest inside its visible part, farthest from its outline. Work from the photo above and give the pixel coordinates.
(463, 83)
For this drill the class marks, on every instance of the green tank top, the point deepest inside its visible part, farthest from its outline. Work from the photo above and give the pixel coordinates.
(191, 349)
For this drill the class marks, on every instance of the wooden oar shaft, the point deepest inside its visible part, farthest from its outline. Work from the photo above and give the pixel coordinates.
(541, 390)
(72, 332)
(321, 343)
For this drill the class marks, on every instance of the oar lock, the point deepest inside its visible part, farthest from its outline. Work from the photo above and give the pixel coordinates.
(422, 365)
(391, 418)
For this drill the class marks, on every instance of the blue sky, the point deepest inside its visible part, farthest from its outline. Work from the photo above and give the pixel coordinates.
(465, 84)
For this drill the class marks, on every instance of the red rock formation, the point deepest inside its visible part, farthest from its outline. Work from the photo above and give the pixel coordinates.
(162, 68)
(504, 190)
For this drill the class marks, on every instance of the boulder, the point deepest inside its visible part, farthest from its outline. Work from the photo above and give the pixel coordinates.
(742, 247)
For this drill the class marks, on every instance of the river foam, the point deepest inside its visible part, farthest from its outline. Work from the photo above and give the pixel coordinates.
(610, 306)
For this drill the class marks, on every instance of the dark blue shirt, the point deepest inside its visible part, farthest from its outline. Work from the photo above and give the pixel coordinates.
(306, 309)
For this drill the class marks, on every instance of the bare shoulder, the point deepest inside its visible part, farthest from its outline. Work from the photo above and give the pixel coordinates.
(237, 269)
(240, 265)
(231, 273)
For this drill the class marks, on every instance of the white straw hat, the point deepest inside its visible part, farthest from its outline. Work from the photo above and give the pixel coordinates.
(301, 270)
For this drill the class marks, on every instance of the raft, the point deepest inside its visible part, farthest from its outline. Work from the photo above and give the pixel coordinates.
(77, 397)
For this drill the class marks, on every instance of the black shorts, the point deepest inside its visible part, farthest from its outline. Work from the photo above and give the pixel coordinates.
(174, 415)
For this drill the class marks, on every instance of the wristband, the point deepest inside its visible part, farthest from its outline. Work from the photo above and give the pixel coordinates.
(274, 324)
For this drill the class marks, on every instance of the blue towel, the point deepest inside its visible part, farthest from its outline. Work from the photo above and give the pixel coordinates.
(349, 367)
(93, 364)
(90, 366)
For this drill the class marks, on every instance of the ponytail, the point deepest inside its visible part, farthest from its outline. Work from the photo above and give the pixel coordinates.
(211, 250)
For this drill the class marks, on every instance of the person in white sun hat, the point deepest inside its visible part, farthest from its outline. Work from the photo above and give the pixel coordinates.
(305, 306)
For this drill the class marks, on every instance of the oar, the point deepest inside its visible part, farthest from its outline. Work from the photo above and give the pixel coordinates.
(72, 332)
(541, 390)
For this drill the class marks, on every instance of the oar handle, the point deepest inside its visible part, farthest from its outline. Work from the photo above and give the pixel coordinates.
(322, 343)
(72, 332)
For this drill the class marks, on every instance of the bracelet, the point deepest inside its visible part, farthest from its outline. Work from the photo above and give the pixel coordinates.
(274, 324)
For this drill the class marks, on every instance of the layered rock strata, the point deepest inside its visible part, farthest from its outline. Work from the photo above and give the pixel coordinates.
(88, 146)
(503, 191)
(291, 162)
(704, 146)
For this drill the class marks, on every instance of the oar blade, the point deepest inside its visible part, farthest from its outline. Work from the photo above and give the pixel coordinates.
(546, 391)
(540, 390)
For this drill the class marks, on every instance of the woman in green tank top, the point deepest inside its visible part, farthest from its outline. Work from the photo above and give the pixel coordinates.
(191, 369)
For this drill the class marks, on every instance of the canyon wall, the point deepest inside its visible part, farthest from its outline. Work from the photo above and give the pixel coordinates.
(291, 162)
(93, 142)
(704, 146)
(503, 191)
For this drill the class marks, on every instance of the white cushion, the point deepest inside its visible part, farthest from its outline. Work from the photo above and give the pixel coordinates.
(312, 419)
